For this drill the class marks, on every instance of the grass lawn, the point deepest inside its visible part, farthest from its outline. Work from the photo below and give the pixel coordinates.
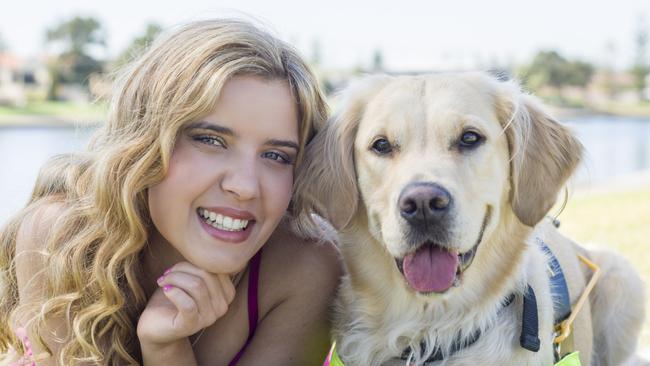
(618, 220)
(56, 109)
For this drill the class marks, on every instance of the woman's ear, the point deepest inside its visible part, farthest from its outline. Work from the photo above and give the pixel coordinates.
(326, 182)
(543, 153)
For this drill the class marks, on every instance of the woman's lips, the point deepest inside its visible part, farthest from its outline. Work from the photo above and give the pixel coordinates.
(231, 212)
(228, 226)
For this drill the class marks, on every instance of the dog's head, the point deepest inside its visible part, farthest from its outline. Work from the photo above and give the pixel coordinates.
(434, 164)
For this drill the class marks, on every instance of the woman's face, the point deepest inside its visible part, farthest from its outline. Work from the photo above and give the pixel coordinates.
(230, 176)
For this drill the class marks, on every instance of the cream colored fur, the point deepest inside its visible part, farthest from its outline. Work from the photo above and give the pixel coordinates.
(513, 179)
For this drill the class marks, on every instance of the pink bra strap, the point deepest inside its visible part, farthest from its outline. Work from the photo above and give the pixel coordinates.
(253, 282)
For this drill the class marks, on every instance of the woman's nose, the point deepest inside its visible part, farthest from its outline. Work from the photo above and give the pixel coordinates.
(241, 180)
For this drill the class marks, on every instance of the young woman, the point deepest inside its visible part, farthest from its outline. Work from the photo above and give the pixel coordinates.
(147, 248)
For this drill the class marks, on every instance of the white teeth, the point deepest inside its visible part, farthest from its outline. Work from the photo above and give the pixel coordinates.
(222, 222)
(227, 222)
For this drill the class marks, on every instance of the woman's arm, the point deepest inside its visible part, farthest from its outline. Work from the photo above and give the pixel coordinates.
(30, 262)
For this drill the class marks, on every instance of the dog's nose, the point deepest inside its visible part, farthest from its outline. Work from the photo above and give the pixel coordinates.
(423, 203)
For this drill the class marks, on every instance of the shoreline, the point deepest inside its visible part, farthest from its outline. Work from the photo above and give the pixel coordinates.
(42, 121)
(570, 113)
(39, 120)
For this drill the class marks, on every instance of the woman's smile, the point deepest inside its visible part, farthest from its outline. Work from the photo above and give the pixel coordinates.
(226, 224)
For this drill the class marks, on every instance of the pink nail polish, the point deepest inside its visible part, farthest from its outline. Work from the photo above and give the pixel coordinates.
(167, 287)
(160, 279)
(167, 271)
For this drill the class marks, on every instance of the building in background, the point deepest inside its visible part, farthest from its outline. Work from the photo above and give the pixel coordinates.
(21, 80)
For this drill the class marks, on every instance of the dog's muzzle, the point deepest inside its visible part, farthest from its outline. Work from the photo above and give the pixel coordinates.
(435, 268)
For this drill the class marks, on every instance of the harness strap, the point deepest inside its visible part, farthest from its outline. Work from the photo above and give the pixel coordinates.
(529, 337)
(559, 286)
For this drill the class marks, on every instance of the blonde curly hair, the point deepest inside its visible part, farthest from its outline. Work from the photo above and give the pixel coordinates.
(93, 255)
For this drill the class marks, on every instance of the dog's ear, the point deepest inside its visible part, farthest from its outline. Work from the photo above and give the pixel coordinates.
(543, 153)
(326, 182)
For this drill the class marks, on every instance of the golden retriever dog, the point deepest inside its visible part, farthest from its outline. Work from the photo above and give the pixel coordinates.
(439, 186)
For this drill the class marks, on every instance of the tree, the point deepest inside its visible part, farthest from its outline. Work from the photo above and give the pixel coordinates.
(609, 84)
(549, 68)
(316, 53)
(377, 61)
(3, 45)
(640, 69)
(579, 73)
(139, 44)
(75, 63)
(77, 34)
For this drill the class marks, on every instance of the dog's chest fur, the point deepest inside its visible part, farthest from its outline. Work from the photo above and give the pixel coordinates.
(373, 326)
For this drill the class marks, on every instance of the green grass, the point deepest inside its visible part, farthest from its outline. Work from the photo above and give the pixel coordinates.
(624, 109)
(620, 221)
(55, 109)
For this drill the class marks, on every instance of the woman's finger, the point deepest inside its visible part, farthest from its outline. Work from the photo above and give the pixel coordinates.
(188, 319)
(221, 295)
(196, 288)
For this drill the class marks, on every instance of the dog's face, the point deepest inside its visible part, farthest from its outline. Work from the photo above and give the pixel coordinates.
(431, 167)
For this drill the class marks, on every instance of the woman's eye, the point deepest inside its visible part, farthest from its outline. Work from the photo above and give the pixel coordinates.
(281, 158)
(211, 140)
(382, 146)
(470, 139)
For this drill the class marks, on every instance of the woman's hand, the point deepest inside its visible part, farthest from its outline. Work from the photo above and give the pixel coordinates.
(188, 299)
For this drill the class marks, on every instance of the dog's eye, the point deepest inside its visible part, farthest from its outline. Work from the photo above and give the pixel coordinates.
(382, 146)
(470, 139)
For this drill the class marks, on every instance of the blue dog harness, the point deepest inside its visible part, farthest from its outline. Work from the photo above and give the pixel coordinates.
(529, 338)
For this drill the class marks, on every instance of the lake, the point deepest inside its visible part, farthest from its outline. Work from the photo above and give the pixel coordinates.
(615, 147)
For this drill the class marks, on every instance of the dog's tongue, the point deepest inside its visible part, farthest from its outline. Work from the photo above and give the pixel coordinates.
(430, 269)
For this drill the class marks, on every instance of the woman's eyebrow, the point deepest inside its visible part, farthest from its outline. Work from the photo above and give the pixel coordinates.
(282, 143)
(227, 131)
(212, 126)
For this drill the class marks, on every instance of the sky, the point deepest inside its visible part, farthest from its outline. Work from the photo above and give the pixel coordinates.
(412, 35)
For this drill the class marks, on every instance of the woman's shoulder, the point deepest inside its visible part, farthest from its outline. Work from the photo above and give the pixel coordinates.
(37, 223)
(300, 264)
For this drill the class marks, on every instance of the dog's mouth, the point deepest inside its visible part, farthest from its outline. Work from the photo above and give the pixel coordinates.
(434, 268)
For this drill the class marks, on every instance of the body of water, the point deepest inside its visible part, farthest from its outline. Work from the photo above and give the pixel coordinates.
(22, 153)
(614, 147)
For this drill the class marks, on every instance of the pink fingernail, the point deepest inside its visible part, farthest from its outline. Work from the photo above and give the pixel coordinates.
(167, 271)
(167, 287)
(160, 279)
